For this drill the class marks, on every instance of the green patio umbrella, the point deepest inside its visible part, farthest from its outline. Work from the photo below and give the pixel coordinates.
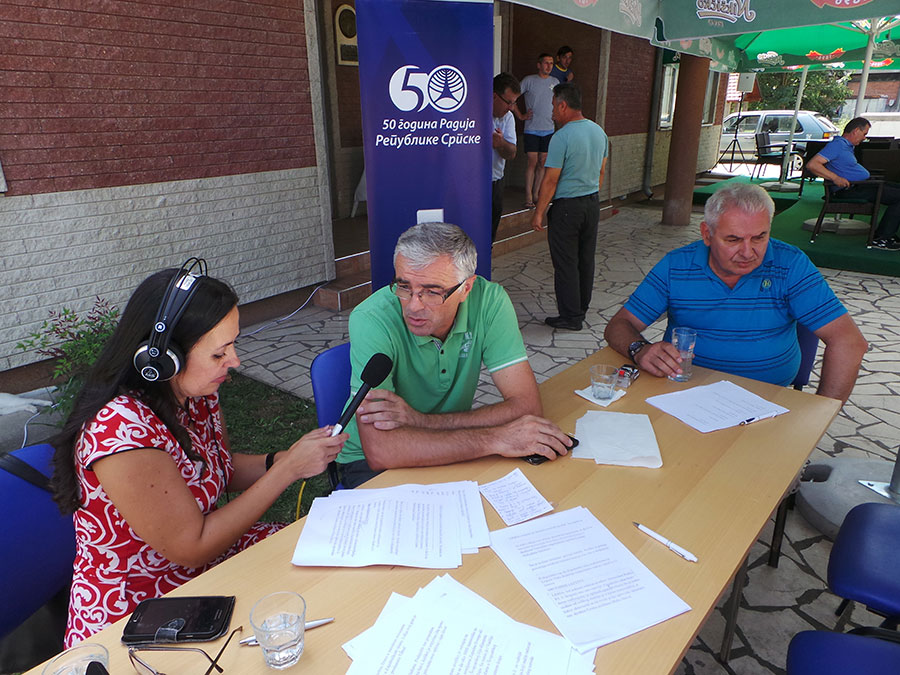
(844, 45)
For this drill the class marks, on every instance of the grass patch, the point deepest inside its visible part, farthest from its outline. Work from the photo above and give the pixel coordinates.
(262, 419)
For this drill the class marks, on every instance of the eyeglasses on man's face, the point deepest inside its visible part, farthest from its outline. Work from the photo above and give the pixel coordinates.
(431, 297)
(509, 104)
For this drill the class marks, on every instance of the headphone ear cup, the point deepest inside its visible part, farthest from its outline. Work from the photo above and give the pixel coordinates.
(160, 368)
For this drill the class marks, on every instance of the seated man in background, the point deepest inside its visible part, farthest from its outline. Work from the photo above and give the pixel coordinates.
(744, 294)
(837, 162)
(439, 323)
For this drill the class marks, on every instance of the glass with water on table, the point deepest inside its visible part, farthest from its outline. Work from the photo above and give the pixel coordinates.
(279, 621)
(684, 339)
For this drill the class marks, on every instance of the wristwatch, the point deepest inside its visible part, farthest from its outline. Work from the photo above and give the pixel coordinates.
(635, 347)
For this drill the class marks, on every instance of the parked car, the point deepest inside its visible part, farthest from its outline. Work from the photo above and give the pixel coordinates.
(810, 125)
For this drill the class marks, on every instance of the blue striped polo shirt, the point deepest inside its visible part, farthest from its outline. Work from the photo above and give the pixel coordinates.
(748, 330)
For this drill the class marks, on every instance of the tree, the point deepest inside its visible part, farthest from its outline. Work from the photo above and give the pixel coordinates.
(825, 91)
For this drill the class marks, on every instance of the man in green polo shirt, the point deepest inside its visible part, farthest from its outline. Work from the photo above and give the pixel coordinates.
(439, 323)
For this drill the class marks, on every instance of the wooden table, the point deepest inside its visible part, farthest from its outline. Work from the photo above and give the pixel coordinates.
(713, 495)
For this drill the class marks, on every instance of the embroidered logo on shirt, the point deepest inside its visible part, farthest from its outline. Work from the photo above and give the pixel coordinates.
(466, 345)
(765, 284)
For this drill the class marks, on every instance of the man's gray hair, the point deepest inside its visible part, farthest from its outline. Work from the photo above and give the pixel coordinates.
(424, 243)
(745, 197)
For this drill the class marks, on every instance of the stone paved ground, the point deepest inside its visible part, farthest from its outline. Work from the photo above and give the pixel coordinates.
(777, 603)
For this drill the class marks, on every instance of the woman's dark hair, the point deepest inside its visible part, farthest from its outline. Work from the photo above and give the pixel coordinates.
(114, 373)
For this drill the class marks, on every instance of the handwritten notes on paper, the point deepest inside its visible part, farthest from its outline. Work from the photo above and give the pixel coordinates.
(514, 498)
(716, 406)
(592, 587)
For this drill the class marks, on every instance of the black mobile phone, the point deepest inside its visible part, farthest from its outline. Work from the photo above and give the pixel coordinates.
(183, 619)
(540, 459)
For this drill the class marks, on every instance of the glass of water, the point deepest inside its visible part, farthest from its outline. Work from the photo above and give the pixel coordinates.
(279, 622)
(684, 340)
(75, 660)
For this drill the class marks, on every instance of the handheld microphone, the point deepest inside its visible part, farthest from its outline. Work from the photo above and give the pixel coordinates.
(373, 374)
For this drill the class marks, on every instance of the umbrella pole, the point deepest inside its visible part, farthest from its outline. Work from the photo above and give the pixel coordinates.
(864, 78)
(782, 185)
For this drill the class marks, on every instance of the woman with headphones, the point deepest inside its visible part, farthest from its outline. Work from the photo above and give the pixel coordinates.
(144, 455)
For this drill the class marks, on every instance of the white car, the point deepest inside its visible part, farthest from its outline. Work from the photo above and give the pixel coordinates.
(810, 125)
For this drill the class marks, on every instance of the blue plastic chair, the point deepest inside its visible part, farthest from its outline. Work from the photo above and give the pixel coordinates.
(330, 375)
(38, 542)
(809, 343)
(822, 653)
(863, 562)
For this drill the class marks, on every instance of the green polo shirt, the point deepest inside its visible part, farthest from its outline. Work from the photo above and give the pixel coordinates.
(431, 376)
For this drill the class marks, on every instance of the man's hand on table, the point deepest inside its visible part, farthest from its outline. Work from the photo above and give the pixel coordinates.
(660, 359)
(529, 435)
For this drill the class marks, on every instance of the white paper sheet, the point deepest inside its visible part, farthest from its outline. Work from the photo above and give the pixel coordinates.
(716, 406)
(514, 498)
(621, 439)
(447, 629)
(594, 590)
(378, 529)
(473, 529)
(586, 394)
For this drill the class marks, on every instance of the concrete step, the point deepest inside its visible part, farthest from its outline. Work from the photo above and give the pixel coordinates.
(344, 292)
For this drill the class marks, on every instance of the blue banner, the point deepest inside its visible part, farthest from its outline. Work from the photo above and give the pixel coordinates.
(425, 72)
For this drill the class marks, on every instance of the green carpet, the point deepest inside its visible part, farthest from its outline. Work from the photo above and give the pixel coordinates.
(782, 200)
(841, 252)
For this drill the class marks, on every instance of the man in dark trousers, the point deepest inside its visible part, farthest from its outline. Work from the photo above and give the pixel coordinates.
(573, 175)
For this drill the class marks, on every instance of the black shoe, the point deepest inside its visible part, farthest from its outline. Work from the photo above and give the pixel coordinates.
(559, 322)
(892, 244)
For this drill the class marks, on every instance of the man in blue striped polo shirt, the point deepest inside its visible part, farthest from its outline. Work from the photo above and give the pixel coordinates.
(744, 294)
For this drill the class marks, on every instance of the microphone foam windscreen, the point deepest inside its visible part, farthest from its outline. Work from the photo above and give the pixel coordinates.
(377, 369)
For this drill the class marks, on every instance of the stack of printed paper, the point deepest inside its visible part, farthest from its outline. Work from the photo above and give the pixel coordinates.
(593, 588)
(446, 629)
(412, 525)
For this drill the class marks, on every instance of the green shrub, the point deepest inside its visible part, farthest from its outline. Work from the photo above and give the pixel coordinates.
(75, 343)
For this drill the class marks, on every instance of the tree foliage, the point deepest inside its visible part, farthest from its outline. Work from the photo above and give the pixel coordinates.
(825, 91)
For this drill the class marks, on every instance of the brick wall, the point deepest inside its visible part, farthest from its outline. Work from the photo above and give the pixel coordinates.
(346, 85)
(158, 186)
(630, 85)
(123, 93)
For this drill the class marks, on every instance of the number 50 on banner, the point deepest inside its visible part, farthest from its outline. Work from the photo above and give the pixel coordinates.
(444, 88)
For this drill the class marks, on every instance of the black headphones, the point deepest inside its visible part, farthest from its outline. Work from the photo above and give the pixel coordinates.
(158, 359)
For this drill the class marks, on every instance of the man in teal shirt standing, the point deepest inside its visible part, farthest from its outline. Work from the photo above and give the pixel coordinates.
(573, 175)
(439, 322)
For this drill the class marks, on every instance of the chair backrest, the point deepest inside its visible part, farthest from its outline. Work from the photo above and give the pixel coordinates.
(809, 343)
(826, 653)
(330, 374)
(762, 140)
(38, 542)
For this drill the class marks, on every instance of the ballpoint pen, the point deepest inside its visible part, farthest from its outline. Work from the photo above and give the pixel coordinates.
(672, 546)
(750, 420)
(251, 640)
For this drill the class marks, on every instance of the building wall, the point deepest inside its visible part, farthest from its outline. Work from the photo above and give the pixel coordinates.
(136, 134)
(630, 86)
